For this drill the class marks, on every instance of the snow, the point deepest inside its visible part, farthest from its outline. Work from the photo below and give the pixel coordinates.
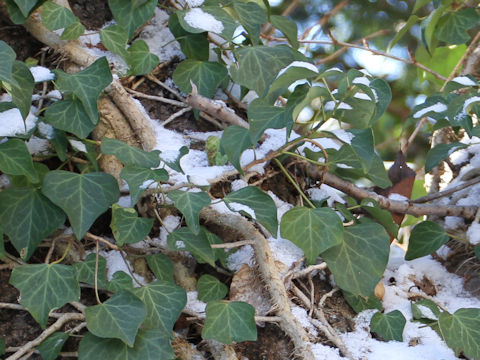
(305, 115)
(115, 262)
(12, 124)
(46, 130)
(363, 80)
(41, 73)
(78, 145)
(464, 80)
(194, 3)
(362, 96)
(298, 64)
(199, 19)
(343, 135)
(473, 233)
(193, 304)
(437, 108)
(330, 105)
(398, 197)
(37, 146)
(240, 207)
(326, 192)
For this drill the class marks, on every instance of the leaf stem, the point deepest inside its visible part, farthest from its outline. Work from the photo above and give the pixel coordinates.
(294, 183)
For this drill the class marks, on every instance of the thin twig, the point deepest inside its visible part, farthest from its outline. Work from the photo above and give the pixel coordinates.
(447, 192)
(165, 86)
(414, 134)
(156, 98)
(176, 115)
(97, 248)
(309, 269)
(232, 245)
(96, 238)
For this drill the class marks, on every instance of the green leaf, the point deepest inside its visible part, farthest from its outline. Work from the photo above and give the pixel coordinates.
(235, 140)
(86, 85)
(442, 61)
(86, 271)
(164, 302)
(190, 204)
(226, 30)
(359, 261)
(412, 20)
(461, 331)
(73, 32)
(261, 203)
(45, 287)
(2, 346)
(115, 38)
(120, 281)
(296, 71)
(55, 16)
(16, 160)
(419, 4)
(149, 345)
(441, 152)
(127, 227)
(83, 197)
(454, 29)
(175, 165)
(263, 61)
(194, 46)
(211, 289)
(229, 321)
(27, 217)
(384, 95)
(313, 230)
(197, 244)
(287, 27)
(26, 6)
(360, 303)
(429, 26)
(140, 60)
(14, 12)
(251, 16)
(7, 59)
(50, 348)
(207, 76)
(129, 15)
(130, 155)
(388, 326)
(426, 237)
(161, 266)
(264, 116)
(3, 254)
(21, 89)
(119, 317)
(476, 250)
(139, 178)
(71, 116)
(383, 216)
(425, 309)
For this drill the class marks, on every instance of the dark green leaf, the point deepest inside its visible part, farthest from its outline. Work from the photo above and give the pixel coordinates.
(70, 116)
(139, 178)
(453, 30)
(86, 85)
(235, 140)
(225, 29)
(129, 15)
(83, 197)
(194, 46)
(120, 281)
(190, 204)
(313, 230)
(51, 347)
(2, 346)
(434, 106)
(7, 58)
(388, 326)
(164, 302)
(412, 20)
(21, 89)
(197, 244)
(441, 152)
(115, 38)
(127, 227)
(261, 203)
(45, 287)
(56, 17)
(359, 261)
(426, 237)
(86, 271)
(149, 345)
(461, 331)
(161, 266)
(73, 32)
(264, 116)
(429, 27)
(27, 217)
(3, 254)
(287, 27)
(384, 96)
(130, 155)
(360, 303)
(205, 75)
(383, 216)
(476, 250)
(211, 289)
(119, 317)
(140, 60)
(16, 160)
(175, 165)
(26, 6)
(15, 13)
(297, 70)
(229, 321)
(425, 309)
(251, 16)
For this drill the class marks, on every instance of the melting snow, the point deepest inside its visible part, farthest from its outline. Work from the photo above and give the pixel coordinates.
(199, 19)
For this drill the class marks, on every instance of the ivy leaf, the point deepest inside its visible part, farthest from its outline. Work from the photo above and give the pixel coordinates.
(194, 46)
(425, 309)
(120, 281)
(161, 266)
(426, 237)
(149, 345)
(138, 178)
(175, 164)
(288, 77)
(21, 89)
(86, 85)
(2, 346)
(360, 303)
(86, 271)
(7, 59)
(119, 317)
(69, 115)
(27, 217)
(50, 348)
(443, 60)
(211, 289)
(3, 254)
(164, 302)
(229, 321)
(412, 20)
(16, 160)
(384, 97)
(228, 24)
(359, 261)
(235, 140)
(263, 61)
(313, 230)
(197, 244)
(55, 16)
(264, 116)
(287, 27)
(129, 15)
(140, 60)
(454, 29)
(261, 203)
(130, 155)
(83, 197)
(429, 26)
(204, 74)
(127, 227)
(388, 326)
(44, 287)
(73, 32)
(115, 38)
(26, 6)
(251, 16)
(383, 216)
(461, 331)
(441, 152)
(190, 204)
